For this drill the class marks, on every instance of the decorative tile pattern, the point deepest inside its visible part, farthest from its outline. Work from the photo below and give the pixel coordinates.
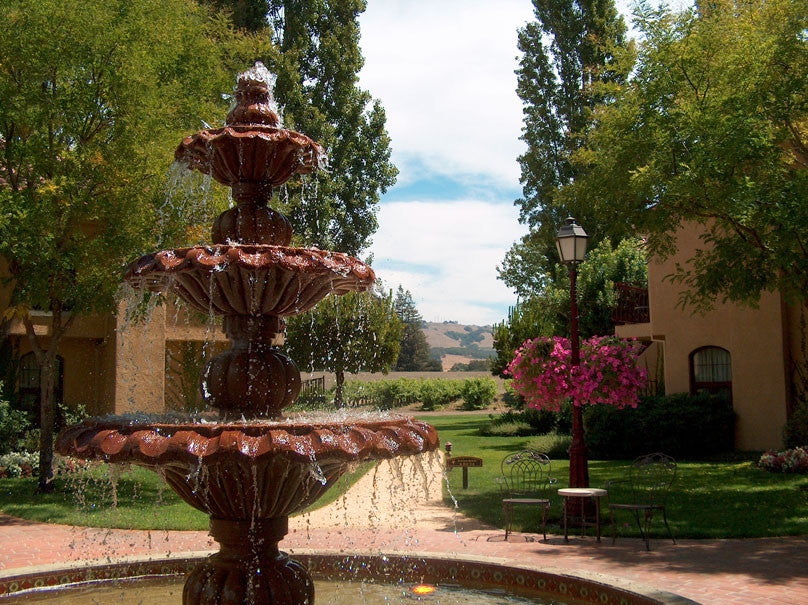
(386, 568)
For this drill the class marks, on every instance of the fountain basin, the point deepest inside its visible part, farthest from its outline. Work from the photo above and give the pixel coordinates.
(399, 568)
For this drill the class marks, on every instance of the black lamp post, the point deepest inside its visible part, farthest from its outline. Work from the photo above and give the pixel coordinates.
(571, 244)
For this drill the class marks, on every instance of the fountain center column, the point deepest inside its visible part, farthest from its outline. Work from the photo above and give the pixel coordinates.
(251, 220)
(252, 379)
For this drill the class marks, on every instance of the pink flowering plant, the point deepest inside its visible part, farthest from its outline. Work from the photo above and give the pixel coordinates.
(543, 374)
(794, 460)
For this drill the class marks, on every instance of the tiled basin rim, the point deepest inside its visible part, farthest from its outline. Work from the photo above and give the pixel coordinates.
(470, 572)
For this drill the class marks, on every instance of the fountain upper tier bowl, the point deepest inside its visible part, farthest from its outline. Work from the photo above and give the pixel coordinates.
(251, 279)
(250, 153)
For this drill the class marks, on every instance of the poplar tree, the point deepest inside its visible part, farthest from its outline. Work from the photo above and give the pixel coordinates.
(573, 55)
(317, 68)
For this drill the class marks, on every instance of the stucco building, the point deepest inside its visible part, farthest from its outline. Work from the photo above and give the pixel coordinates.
(111, 364)
(751, 354)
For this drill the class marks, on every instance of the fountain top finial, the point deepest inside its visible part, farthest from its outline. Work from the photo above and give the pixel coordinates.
(255, 103)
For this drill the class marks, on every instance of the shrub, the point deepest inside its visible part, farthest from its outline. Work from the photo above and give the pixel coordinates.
(564, 419)
(19, 464)
(438, 392)
(507, 429)
(394, 393)
(71, 415)
(13, 426)
(478, 393)
(511, 398)
(542, 421)
(355, 393)
(554, 445)
(314, 400)
(681, 425)
(795, 433)
(535, 422)
(794, 460)
(559, 447)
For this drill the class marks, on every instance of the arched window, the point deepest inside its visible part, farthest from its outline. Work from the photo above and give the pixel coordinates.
(30, 381)
(711, 371)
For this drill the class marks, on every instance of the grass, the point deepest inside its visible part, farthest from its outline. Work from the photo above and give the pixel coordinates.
(729, 498)
(713, 499)
(143, 501)
(140, 500)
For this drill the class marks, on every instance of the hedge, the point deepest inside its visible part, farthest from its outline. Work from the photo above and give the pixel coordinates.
(680, 425)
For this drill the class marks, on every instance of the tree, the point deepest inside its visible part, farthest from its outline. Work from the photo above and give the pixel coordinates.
(711, 130)
(547, 313)
(95, 96)
(317, 87)
(356, 332)
(414, 355)
(572, 56)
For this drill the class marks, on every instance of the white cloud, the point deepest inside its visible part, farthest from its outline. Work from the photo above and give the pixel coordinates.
(446, 254)
(444, 72)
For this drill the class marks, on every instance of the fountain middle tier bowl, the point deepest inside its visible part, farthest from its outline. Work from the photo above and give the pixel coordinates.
(259, 469)
(251, 279)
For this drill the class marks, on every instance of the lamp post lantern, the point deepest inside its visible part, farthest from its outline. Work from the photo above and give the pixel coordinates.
(571, 245)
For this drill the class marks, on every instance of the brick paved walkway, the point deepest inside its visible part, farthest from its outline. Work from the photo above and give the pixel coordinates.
(732, 572)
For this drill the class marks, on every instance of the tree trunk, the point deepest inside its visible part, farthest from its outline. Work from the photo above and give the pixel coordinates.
(338, 402)
(46, 359)
(47, 395)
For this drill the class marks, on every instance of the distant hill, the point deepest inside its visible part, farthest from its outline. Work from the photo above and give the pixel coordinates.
(458, 343)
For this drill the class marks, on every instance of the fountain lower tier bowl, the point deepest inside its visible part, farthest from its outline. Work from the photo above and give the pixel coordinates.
(251, 279)
(258, 470)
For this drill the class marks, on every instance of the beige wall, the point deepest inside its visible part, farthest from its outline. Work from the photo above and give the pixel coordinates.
(115, 366)
(753, 337)
(140, 363)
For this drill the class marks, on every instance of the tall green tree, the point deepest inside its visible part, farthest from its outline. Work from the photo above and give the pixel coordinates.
(547, 314)
(414, 355)
(317, 67)
(356, 332)
(573, 54)
(712, 131)
(94, 98)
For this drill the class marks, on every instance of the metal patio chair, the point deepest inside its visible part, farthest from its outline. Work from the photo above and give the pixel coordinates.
(644, 493)
(525, 481)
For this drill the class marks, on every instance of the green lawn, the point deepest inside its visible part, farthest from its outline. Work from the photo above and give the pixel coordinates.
(710, 499)
(141, 500)
(715, 499)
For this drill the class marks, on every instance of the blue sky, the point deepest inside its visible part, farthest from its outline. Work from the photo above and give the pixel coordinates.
(444, 71)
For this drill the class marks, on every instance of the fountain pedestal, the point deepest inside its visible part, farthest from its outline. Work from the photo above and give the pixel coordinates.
(249, 568)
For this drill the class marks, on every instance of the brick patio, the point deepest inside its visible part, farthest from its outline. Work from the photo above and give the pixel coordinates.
(761, 571)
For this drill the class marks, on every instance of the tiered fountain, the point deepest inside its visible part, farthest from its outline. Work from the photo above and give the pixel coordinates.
(253, 469)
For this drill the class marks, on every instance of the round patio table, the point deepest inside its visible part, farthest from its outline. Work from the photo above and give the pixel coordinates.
(594, 494)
